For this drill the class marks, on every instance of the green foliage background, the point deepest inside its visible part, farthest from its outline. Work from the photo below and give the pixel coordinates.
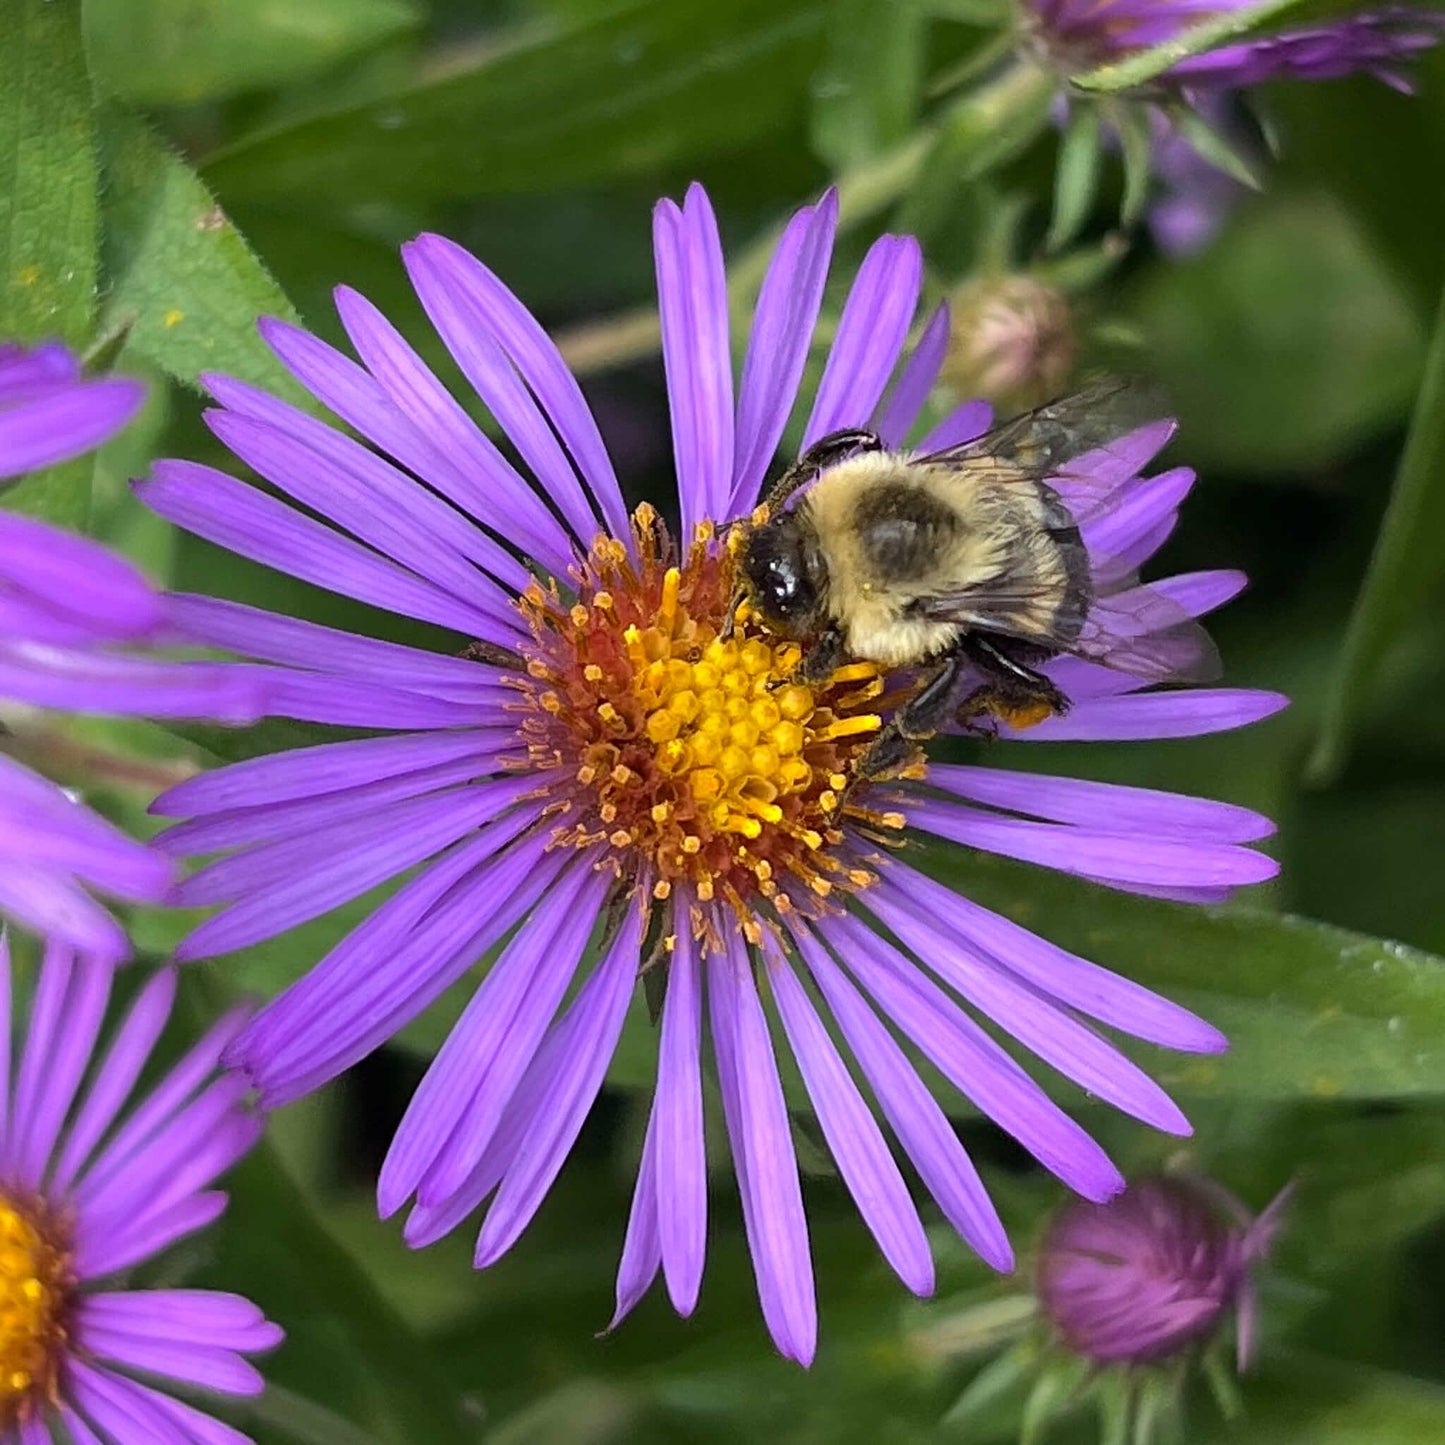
(170, 168)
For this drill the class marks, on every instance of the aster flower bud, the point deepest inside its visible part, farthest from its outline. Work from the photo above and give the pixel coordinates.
(1011, 340)
(1154, 1272)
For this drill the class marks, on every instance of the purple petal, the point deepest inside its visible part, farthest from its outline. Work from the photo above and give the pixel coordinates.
(1056, 1036)
(642, 1246)
(504, 1057)
(422, 398)
(55, 908)
(540, 364)
(693, 302)
(121, 1409)
(277, 890)
(782, 331)
(101, 682)
(112, 1084)
(680, 1163)
(244, 520)
(477, 479)
(975, 1064)
(359, 491)
(403, 981)
(921, 1126)
(1157, 715)
(64, 1023)
(78, 580)
(852, 1133)
(767, 1170)
(374, 502)
(464, 325)
(64, 422)
(6, 1005)
(1125, 809)
(1099, 854)
(306, 773)
(99, 1254)
(591, 1029)
(1116, 1001)
(184, 1360)
(156, 1111)
(277, 822)
(213, 1318)
(871, 333)
(475, 1072)
(910, 392)
(961, 425)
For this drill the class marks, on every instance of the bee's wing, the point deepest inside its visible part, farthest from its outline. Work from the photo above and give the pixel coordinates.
(1043, 444)
(1140, 631)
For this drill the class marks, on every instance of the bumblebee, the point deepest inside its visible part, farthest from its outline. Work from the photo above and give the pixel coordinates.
(966, 564)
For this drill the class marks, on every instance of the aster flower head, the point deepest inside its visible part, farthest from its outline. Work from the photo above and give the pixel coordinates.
(91, 1189)
(78, 626)
(606, 775)
(1155, 1272)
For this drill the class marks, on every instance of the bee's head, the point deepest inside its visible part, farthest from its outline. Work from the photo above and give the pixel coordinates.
(785, 576)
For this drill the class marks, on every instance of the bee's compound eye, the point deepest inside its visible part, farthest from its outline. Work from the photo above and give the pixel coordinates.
(777, 569)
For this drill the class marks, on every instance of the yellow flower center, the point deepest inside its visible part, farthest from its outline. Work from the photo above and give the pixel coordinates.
(696, 758)
(36, 1285)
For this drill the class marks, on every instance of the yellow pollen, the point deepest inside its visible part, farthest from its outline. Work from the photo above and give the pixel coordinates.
(36, 1286)
(697, 759)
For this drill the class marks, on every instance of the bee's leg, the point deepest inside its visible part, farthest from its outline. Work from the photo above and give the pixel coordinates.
(1015, 692)
(826, 452)
(915, 722)
(823, 658)
(494, 656)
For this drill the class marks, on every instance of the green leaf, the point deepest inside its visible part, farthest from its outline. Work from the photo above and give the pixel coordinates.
(865, 99)
(346, 1349)
(184, 284)
(180, 52)
(1077, 178)
(1216, 148)
(1406, 568)
(652, 84)
(48, 227)
(1301, 1399)
(1283, 345)
(1144, 66)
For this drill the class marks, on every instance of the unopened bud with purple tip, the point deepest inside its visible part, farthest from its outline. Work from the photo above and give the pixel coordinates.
(1154, 1272)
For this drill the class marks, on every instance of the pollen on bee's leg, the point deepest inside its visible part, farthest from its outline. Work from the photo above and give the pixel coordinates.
(1025, 715)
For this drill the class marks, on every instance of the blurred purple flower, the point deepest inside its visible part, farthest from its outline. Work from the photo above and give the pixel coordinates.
(87, 1193)
(1077, 35)
(1081, 34)
(1155, 1271)
(68, 609)
(601, 757)
(1373, 42)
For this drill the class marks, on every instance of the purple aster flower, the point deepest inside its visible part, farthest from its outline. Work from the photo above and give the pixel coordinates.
(71, 618)
(600, 760)
(88, 1192)
(1077, 35)
(1154, 1272)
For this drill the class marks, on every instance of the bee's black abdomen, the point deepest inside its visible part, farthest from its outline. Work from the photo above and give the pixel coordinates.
(901, 530)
